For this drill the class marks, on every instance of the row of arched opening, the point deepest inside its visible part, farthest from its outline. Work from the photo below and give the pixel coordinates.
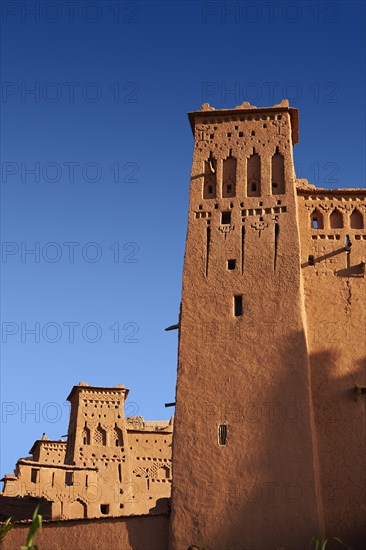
(99, 436)
(253, 178)
(336, 219)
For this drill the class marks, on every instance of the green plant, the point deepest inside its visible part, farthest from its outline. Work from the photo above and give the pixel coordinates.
(320, 543)
(36, 524)
(5, 528)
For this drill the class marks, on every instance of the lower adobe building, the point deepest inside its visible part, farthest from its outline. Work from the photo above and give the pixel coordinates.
(269, 446)
(109, 466)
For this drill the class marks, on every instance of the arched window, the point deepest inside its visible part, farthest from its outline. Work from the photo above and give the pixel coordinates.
(117, 434)
(229, 177)
(86, 435)
(278, 173)
(356, 219)
(100, 436)
(336, 219)
(209, 179)
(254, 175)
(316, 220)
(78, 509)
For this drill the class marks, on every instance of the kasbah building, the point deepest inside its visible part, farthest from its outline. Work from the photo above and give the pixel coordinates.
(268, 445)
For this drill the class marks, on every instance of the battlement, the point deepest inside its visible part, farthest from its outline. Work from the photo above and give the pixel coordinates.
(245, 113)
(84, 390)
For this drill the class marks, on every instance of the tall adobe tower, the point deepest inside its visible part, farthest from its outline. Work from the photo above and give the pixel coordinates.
(246, 468)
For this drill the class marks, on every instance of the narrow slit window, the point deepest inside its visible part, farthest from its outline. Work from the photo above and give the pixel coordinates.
(208, 239)
(229, 176)
(69, 479)
(311, 260)
(209, 178)
(231, 265)
(222, 435)
(348, 244)
(278, 173)
(238, 305)
(86, 435)
(225, 218)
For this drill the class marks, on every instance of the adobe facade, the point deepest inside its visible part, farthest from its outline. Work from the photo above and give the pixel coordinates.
(269, 444)
(110, 465)
(269, 437)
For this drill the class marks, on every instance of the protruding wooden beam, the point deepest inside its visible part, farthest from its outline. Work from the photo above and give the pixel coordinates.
(172, 327)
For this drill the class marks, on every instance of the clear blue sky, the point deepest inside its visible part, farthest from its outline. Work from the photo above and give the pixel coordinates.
(106, 133)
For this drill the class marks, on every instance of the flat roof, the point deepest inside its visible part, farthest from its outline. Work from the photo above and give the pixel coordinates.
(118, 389)
(238, 111)
(44, 441)
(340, 191)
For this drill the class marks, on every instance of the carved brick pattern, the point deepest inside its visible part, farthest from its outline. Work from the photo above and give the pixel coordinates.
(152, 472)
(99, 436)
(93, 397)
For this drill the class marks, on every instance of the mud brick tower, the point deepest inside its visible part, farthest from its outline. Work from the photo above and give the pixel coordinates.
(269, 438)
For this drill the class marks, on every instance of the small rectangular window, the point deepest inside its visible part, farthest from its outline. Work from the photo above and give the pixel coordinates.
(104, 509)
(34, 475)
(226, 218)
(222, 434)
(311, 260)
(238, 305)
(231, 265)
